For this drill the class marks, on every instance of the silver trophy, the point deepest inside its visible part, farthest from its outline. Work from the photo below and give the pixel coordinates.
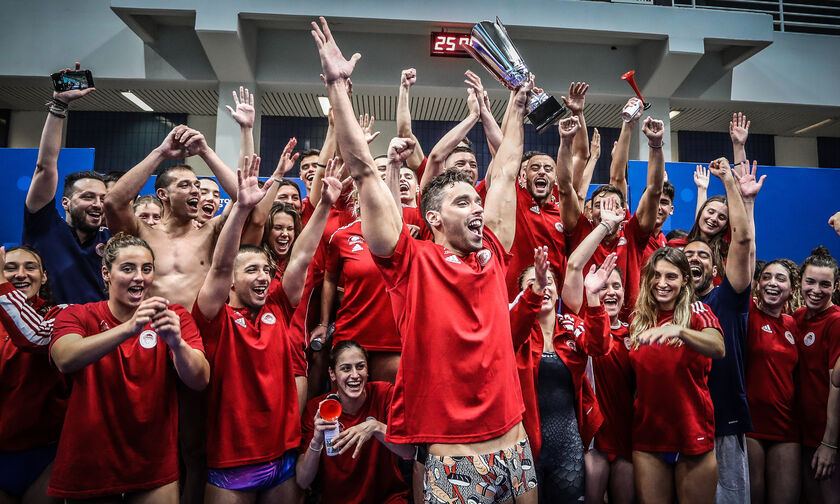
(490, 45)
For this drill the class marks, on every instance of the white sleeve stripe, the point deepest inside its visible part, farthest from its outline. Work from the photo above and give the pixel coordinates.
(11, 306)
(26, 311)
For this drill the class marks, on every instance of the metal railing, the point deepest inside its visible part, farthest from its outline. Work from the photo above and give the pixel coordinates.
(800, 16)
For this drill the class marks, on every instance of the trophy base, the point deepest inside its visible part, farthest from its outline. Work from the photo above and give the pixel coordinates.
(546, 114)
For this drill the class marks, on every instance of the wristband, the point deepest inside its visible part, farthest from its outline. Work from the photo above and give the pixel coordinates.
(655, 146)
(609, 229)
(740, 162)
(323, 325)
(833, 447)
(278, 179)
(319, 450)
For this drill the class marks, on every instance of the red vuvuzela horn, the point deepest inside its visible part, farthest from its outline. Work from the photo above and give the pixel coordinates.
(632, 81)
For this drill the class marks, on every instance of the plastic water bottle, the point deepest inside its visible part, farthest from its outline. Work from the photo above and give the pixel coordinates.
(330, 410)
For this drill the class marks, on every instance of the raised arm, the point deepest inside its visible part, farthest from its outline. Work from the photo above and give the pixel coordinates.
(45, 179)
(492, 131)
(500, 203)
(244, 115)
(254, 226)
(701, 180)
(580, 145)
(834, 223)
(381, 217)
(570, 209)
(526, 307)
(216, 287)
(581, 180)
(621, 153)
(305, 245)
(119, 210)
(738, 263)
(327, 152)
(573, 292)
(434, 165)
(750, 187)
(407, 79)
(649, 202)
(399, 151)
(196, 145)
(595, 340)
(739, 130)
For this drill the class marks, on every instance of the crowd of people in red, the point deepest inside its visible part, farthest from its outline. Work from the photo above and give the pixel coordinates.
(508, 339)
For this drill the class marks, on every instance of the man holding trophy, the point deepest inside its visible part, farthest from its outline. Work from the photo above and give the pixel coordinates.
(457, 389)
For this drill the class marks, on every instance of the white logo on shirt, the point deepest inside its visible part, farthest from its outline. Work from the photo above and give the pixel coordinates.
(571, 344)
(766, 328)
(622, 241)
(356, 248)
(535, 209)
(789, 337)
(148, 339)
(268, 318)
(355, 239)
(103, 326)
(452, 259)
(241, 321)
(559, 227)
(809, 339)
(100, 249)
(483, 256)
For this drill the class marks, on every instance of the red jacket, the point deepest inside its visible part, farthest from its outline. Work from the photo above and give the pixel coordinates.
(575, 339)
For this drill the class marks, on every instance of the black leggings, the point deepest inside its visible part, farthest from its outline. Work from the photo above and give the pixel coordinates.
(560, 469)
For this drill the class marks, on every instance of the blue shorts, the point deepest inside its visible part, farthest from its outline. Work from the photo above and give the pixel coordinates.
(255, 477)
(18, 470)
(670, 457)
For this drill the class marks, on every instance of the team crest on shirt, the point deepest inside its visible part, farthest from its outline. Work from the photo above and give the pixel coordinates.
(268, 318)
(148, 339)
(483, 256)
(789, 337)
(559, 227)
(103, 326)
(571, 344)
(100, 249)
(809, 339)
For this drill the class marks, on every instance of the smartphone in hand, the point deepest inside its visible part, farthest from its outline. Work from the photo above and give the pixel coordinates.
(74, 79)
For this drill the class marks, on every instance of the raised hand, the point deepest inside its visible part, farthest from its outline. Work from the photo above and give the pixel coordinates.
(167, 324)
(474, 82)
(333, 64)
(473, 103)
(72, 94)
(595, 144)
(720, 168)
(523, 92)
(568, 127)
(400, 149)
(366, 122)
(611, 214)
(408, 77)
(654, 130)
(170, 148)
(541, 265)
(747, 183)
(636, 117)
(834, 222)
(701, 177)
(287, 160)
(147, 310)
(596, 279)
(191, 140)
(332, 182)
(739, 129)
(244, 113)
(249, 192)
(577, 97)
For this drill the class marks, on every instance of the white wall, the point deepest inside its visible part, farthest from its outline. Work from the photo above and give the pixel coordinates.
(796, 151)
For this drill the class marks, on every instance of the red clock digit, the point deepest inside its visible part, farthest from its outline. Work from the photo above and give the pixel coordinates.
(440, 40)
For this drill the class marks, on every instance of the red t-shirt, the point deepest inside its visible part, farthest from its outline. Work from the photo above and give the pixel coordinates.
(615, 386)
(411, 215)
(673, 409)
(819, 348)
(365, 314)
(654, 243)
(536, 225)
(575, 339)
(771, 376)
(457, 379)
(306, 209)
(629, 245)
(120, 434)
(252, 408)
(32, 392)
(371, 477)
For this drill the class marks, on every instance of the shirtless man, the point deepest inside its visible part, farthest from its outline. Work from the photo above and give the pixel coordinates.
(182, 252)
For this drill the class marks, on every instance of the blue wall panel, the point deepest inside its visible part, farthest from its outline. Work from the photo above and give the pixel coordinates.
(791, 212)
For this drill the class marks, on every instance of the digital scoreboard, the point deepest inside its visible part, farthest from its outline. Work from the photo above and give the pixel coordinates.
(448, 44)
